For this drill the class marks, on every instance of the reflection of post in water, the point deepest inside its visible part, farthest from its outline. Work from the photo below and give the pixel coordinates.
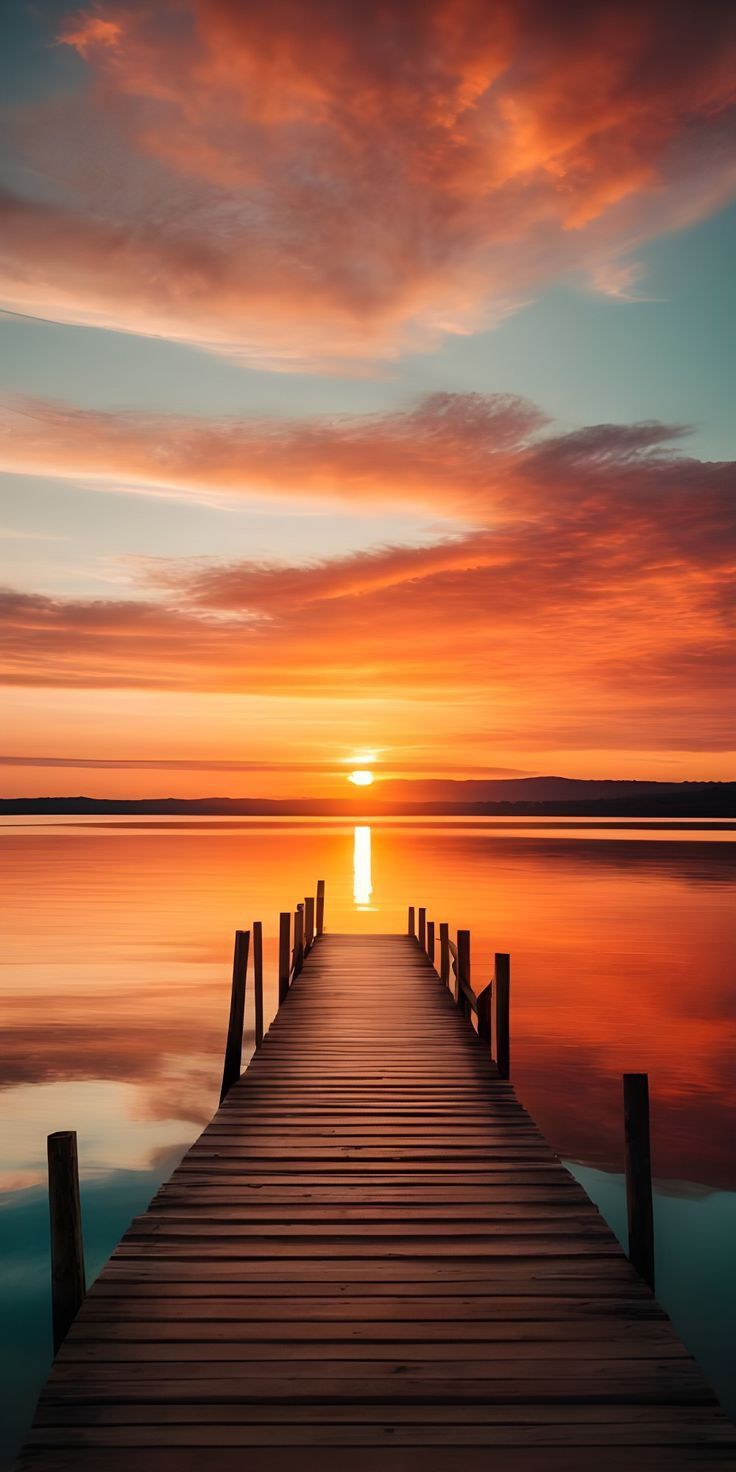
(362, 884)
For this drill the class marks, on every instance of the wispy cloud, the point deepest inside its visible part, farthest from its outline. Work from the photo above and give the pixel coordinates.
(451, 453)
(383, 761)
(18, 534)
(327, 183)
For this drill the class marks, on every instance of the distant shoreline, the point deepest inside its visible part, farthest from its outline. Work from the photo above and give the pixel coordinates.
(687, 800)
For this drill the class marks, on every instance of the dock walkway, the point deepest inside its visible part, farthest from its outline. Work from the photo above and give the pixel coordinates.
(371, 1260)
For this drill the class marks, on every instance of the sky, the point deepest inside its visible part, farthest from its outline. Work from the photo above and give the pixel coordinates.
(366, 392)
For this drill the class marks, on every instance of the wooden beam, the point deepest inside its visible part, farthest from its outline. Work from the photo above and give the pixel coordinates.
(453, 967)
(422, 931)
(234, 1043)
(430, 940)
(484, 1015)
(639, 1175)
(320, 907)
(284, 953)
(463, 971)
(67, 1249)
(502, 997)
(308, 923)
(445, 952)
(412, 922)
(258, 981)
(298, 940)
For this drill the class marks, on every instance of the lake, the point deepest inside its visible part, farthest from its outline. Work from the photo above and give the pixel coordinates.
(115, 992)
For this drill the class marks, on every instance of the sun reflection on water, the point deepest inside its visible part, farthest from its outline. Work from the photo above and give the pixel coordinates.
(362, 880)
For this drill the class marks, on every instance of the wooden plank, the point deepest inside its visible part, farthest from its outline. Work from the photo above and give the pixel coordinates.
(632, 1426)
(77, 1457)
(381, 1273)
(364, 1303)
(213, 1434)
(338, 1379)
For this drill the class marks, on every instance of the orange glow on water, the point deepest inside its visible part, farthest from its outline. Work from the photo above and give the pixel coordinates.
(123, 981)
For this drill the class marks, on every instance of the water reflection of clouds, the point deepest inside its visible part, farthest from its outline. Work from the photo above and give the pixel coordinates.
(692, 1126)
(711, 860)
(113, 1134)
(72, 1046)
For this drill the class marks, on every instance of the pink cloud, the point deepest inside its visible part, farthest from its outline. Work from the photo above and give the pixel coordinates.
(414, 457)
(467, 455)
(320, 183)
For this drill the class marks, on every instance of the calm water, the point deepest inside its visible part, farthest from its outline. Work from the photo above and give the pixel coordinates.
(115, 983)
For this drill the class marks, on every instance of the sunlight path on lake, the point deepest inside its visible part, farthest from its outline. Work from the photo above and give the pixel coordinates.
(362, 881)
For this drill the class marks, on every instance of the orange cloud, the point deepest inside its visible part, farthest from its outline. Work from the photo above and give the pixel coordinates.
(90, 33)
(590, 592)
(319, 183)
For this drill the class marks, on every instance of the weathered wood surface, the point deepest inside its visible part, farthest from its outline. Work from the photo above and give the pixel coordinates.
(68, 1285)
(371, 1259)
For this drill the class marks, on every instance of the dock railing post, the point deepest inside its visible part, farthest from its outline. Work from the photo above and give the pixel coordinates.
(444, 953)
(284, 953)
(67, 1249)
(320, 907)
(501, 1009)
(639, 1208)
(430, 940)
(412, 930)
(308, 923)
(484, 1016)
(463, 969)
(258, 981)
(422, 930)
(298, 939)
(234, 1044)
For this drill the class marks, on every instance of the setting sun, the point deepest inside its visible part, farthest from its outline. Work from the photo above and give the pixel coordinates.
(361, 778)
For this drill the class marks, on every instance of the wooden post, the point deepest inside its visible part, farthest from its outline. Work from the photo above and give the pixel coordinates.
(501, 998)
(67, 1249)
(320, 907)
(445, 953)
(258, 981)
(298, 939)
(234, 1044)
(639, 1175)
(412, 923)
(484, 1016)
(430, 940)
(422, 934)
(284, 953)
(463, 970)
(308, 923)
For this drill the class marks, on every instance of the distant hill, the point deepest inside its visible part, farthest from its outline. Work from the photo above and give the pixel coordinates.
(533, 796)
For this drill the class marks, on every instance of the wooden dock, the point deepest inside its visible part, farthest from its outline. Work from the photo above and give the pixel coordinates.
(372, 1259)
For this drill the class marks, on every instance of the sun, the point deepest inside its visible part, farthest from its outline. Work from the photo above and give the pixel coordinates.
(361, 778)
